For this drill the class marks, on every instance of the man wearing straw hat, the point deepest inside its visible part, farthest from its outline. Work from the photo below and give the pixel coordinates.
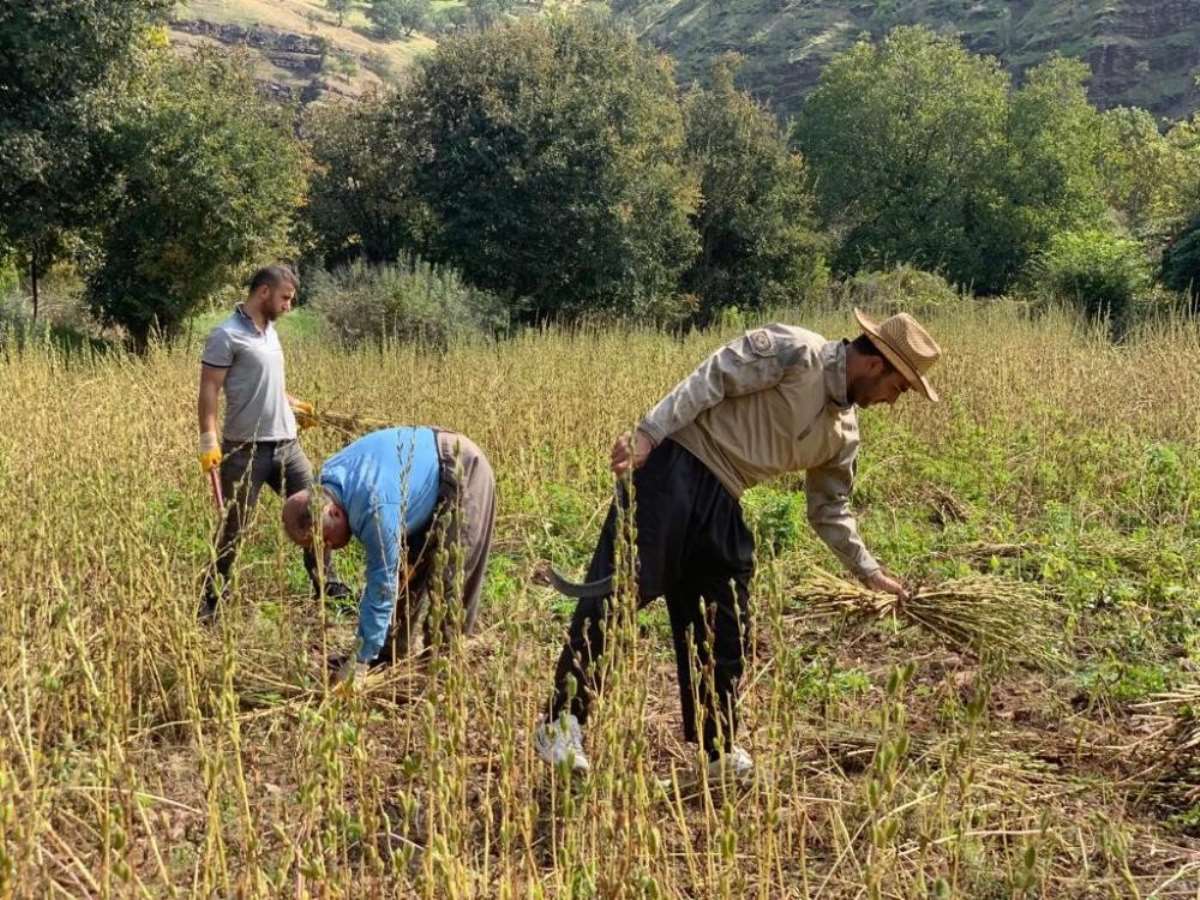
(422, 502)
(777, 399)
(243, 357)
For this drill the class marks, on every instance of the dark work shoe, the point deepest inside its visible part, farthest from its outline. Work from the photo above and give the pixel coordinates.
(334, 590)
(210, 604)
(208, 609)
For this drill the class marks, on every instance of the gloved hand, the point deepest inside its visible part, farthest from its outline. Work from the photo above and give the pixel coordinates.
(306, 414)
(210, 452)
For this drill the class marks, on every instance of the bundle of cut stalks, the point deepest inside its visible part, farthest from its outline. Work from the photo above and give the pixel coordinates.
(349, 425)
(1176, 717)
(980, 615)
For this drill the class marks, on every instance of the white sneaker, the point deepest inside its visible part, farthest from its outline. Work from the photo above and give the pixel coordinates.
(560, 743)
(736, 764)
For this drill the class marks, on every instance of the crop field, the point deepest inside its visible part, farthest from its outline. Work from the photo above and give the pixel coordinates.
(1028, 727)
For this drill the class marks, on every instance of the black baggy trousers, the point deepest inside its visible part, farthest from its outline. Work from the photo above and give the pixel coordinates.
(692, 543)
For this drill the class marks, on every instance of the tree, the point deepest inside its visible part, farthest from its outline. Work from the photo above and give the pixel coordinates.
(396, 18)
(361, 200)
(1152, 179)
(552, 161)
(923, 154)
(904, 139)
(759, 243)
(340, 7)
(211, 176)
(1058, 148)
(56, 56)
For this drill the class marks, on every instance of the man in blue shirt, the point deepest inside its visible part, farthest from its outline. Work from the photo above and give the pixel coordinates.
(419, 500)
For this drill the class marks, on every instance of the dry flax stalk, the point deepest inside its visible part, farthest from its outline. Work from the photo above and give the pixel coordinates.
(976, 614)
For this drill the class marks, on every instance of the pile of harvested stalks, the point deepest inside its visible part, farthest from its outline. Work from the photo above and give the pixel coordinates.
(1176, 717)
(980, 615)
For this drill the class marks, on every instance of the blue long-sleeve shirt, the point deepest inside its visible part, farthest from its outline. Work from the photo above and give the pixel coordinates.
(387, 482)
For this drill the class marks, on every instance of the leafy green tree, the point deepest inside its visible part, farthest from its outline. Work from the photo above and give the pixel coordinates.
(211, 176)
(905, 139)
(396, 18)
(488, 13)
(924, 155)
(759, 243)
(1058, 147)
(1137, 186)
(552, 161)
(361, 200)
(1152, 180)
(56, 57)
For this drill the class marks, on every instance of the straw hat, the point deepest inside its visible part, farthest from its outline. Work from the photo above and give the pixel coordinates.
(906, 345)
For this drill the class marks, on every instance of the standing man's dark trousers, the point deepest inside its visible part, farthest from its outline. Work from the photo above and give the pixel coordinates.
(692, 543)
(447, 560)
(245, 468)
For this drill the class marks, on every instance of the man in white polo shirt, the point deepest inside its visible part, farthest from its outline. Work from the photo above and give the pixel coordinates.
(258, 445)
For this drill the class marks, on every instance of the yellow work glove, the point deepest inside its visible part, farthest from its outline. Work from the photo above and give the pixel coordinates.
(210, 452)
(306, 414)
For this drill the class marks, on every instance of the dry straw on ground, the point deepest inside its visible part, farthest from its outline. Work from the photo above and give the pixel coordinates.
(143, 755)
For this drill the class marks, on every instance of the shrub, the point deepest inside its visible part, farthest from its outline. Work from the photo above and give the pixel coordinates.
(409, 301)
(1097, 271)
(902, 289)
(15, 320)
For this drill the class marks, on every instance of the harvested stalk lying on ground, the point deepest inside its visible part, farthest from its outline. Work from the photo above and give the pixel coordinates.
(979, 614)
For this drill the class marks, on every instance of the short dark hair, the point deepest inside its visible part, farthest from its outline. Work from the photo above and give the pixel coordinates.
(273, 276)
(864, 345)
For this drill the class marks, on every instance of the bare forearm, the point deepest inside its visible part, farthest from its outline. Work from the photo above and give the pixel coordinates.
(207, 408)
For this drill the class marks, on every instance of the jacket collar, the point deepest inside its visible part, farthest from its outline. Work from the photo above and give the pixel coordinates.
(833, 361)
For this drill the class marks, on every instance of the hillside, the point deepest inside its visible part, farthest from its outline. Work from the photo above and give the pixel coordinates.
(300, 51)
(1142, 52)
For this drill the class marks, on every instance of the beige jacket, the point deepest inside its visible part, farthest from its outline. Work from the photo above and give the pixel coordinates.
(769, 402)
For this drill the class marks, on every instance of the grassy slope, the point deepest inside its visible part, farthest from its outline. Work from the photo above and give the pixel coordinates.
(1145, 53)
(307, 18)
(137, 748)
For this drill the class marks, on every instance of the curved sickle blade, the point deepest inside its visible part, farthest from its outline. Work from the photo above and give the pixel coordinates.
(545, 574)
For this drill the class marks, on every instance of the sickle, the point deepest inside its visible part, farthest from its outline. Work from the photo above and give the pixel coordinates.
(545, 574)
